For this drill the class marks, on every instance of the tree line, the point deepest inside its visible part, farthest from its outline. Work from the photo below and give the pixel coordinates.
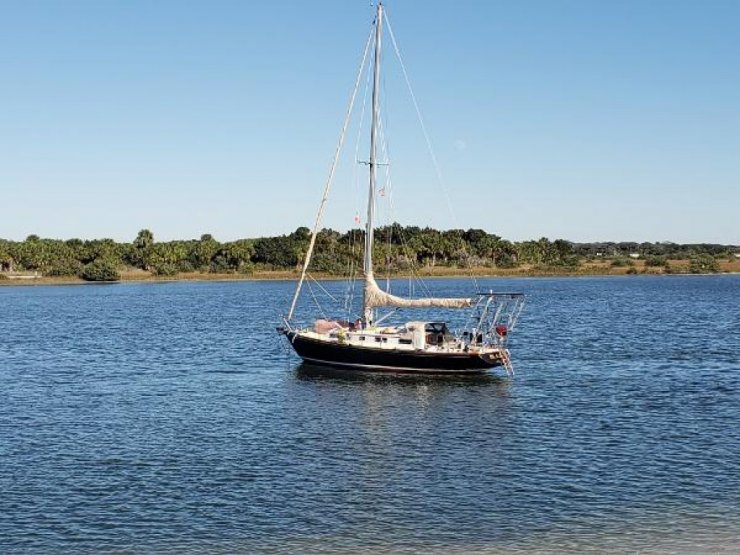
(397, 249)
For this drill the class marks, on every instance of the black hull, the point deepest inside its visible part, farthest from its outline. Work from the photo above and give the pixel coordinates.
(371, 360)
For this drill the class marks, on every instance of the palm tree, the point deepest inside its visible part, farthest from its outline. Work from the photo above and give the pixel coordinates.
(144, 239)
(142, 249)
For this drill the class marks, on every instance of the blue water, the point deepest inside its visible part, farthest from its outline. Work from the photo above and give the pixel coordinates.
(168, 418)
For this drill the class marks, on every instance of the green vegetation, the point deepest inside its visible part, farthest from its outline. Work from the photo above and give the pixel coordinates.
(656, 261)
(100, 270)
(703, 264)
(622, 262)
(397, 250)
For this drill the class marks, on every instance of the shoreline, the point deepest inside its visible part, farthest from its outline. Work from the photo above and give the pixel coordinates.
(426, 273)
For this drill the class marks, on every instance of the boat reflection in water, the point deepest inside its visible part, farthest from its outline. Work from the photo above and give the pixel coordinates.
(382, 414)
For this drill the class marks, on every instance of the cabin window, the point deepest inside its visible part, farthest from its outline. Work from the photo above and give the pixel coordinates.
(404, 341)
(378, 340)
(362, 338)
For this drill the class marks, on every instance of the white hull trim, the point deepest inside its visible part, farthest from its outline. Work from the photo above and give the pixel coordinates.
(406, 369)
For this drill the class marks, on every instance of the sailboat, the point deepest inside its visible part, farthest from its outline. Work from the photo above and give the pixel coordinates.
(422, 347)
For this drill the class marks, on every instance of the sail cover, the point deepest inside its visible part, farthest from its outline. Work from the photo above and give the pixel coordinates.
(376, 297)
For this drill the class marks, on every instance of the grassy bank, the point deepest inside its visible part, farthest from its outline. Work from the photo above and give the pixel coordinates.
(590, 268)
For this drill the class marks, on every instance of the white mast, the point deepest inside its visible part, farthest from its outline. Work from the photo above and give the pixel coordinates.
(368, 265)
(373, 296)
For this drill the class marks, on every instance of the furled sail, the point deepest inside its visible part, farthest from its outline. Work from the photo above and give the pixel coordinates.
(376, 297)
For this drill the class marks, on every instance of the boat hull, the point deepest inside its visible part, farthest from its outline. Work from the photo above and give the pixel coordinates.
(376, 360)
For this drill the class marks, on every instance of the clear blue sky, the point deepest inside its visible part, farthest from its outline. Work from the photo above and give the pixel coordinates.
(576, 119)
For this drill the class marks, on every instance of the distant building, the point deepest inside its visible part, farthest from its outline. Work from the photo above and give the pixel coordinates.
(634, 255)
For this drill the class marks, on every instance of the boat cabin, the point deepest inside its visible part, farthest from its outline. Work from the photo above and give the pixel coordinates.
(412, 335)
